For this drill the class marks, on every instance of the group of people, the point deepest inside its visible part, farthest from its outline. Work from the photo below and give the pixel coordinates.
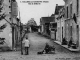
(47, 48)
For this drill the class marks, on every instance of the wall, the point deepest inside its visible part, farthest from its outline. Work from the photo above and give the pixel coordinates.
(70, 22)
(79, 23)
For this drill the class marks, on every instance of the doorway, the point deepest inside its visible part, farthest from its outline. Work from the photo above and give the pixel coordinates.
(62, 32)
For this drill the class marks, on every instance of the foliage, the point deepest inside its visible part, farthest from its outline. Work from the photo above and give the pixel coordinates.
(1, 9)
(2, 16)
(3, 26)
(2, 40)
(31, 22)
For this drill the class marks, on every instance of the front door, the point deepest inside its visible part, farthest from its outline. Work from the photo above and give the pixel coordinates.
(77, 35)
(12, 37)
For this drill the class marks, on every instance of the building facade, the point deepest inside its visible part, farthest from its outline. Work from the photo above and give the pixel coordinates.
(45, 23)
(69, 24)
(58, 20)
(60, 25)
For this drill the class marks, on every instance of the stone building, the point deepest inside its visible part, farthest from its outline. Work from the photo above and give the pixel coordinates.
(69, 25)
(72, 22)
(58, 19)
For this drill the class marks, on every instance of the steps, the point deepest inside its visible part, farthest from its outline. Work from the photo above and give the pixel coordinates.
(65, 46)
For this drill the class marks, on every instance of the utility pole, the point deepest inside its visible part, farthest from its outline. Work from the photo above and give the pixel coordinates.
(21, 28)
(12, 27)
(22, 36)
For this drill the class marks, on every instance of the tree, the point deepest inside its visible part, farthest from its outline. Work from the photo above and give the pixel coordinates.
(2, 16)
(1, 1)
(31, 22)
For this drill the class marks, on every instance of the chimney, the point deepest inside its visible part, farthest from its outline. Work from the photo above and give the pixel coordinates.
(56, 4)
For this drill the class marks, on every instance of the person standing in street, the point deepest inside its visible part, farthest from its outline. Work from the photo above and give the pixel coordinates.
(26, 45)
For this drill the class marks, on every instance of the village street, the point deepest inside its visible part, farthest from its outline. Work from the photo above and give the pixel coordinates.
(37, 43)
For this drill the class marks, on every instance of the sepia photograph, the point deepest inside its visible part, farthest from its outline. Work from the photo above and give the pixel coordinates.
(39, 29)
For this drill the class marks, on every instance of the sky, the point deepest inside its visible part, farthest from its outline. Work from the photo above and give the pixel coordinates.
(29, 9)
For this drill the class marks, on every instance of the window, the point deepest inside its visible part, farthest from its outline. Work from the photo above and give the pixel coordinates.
(71, 31)
(53, 25)
(9, 6)
(67, 11)
(71, 10)
(77, 6)
(10, 18)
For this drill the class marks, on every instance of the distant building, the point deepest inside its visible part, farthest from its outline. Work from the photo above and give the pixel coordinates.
(56, 26)
(45, 23)
(61, 25)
